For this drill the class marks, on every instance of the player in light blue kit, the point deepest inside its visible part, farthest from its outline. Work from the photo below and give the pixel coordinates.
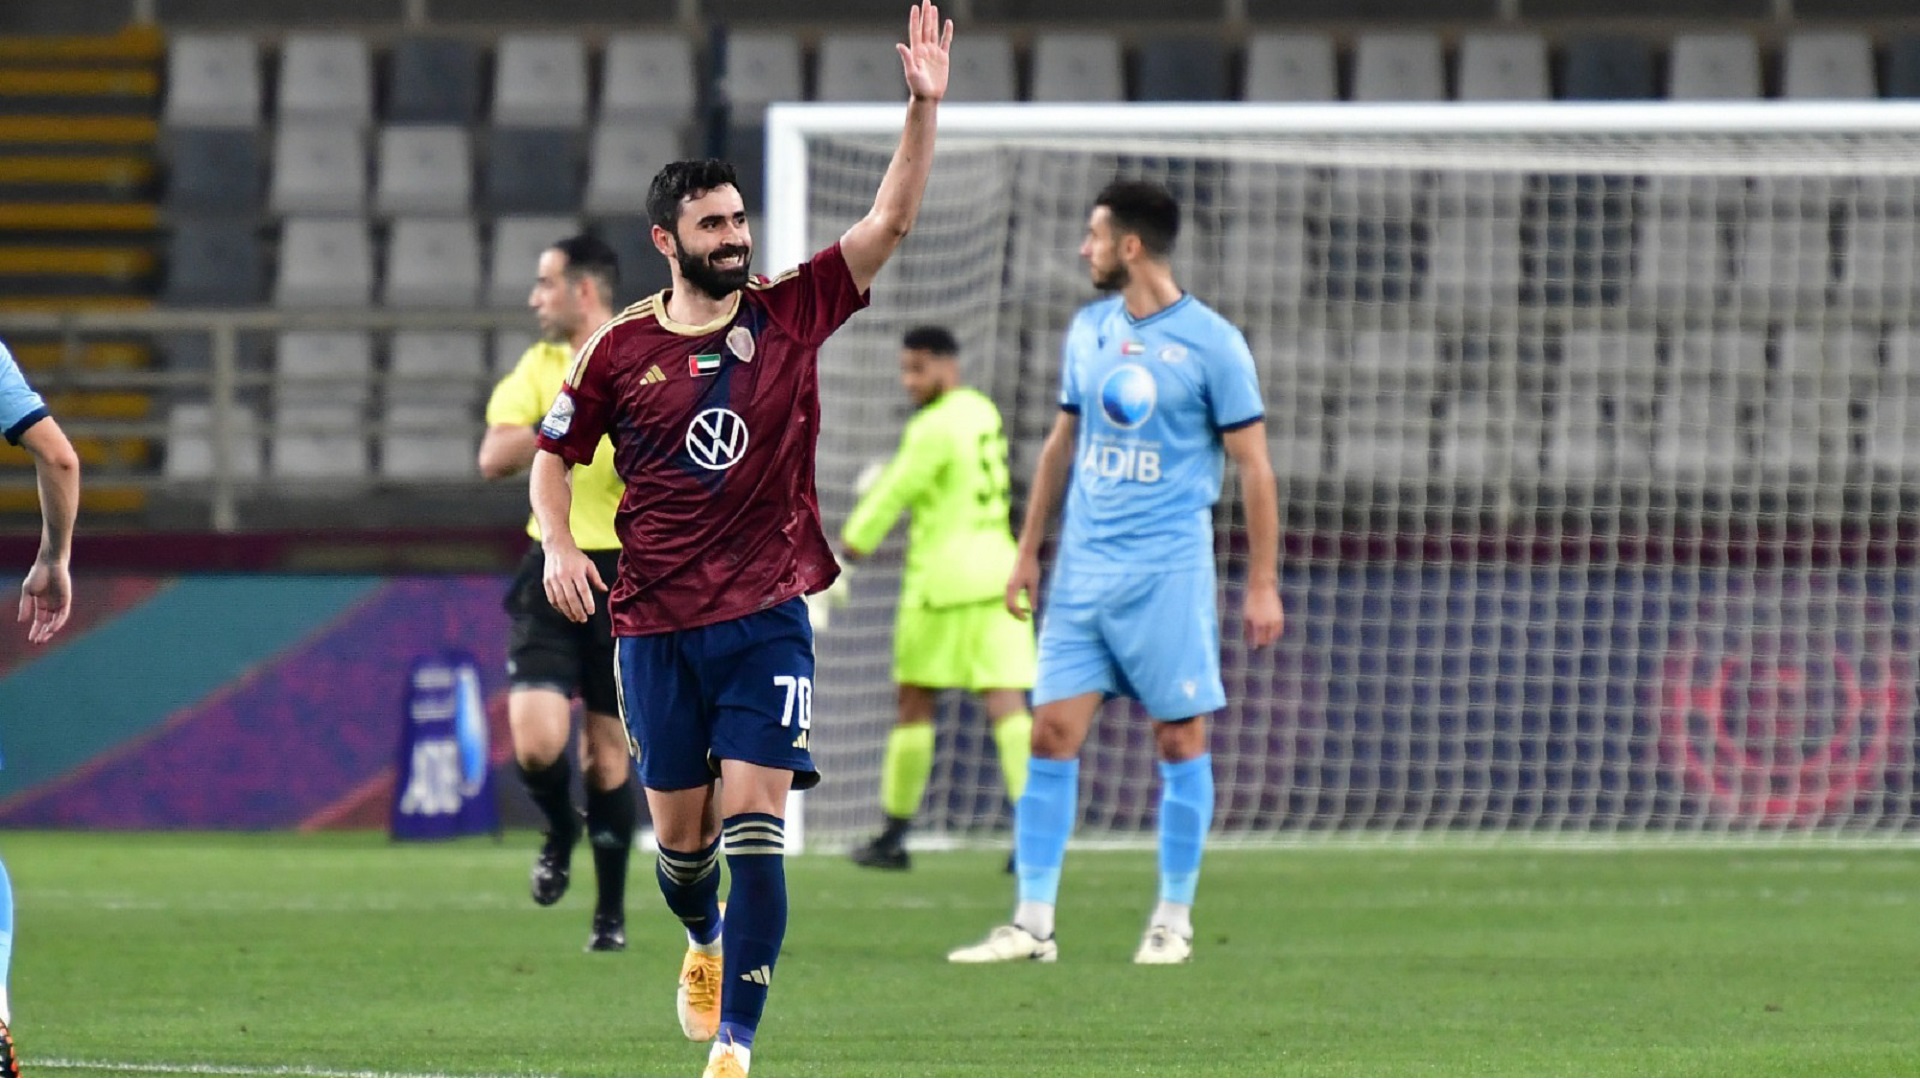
(1156, 389)
(46, 596)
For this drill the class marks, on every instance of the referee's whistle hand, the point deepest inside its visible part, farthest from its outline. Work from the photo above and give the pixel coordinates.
(570, 579)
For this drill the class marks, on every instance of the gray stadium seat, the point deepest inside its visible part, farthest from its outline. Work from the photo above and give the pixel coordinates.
(621, 163)
(432, 262)
(540, 81)
(213, 169)
(1503, 67)
(1182, 69)
(1599, 401)
(324, 262)
(1903, 68)
(1680, 257)
(643, 270)
(325, 77)
(318, 442)
(318, 169)
(532, 171)
(517, 244)
(1714, 377)
(649, 79)
(213, 261)
(1893, 433)
(437, 367)
(213, 80)
(1386, 397)
(1077, 66)
(1713, 67)
(982, 70)
(761, 68)
(434, 81)
(1294, 367)
(1828, 64)
(1608, 69)
(323, 367)
(1802, 432)
(859, 67)
(1290, 67)
(1399, 67)
(190, 443)
(426, 441)
(424, 170)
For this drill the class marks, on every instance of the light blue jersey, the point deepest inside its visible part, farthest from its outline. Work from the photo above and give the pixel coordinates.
(1153, 397)
(20, 407)
(1131, 608)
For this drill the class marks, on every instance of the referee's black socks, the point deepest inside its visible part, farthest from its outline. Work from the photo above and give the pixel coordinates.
(611, 818)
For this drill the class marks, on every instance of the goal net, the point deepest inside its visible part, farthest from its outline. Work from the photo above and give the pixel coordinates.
(1598, 441)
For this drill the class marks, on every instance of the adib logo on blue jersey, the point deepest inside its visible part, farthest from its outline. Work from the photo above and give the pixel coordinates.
(1128, 395)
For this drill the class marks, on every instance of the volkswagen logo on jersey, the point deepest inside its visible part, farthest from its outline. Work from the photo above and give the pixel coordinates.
(1128, 395)
(717, 439)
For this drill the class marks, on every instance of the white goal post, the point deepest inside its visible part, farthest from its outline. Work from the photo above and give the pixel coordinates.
(1597, 429)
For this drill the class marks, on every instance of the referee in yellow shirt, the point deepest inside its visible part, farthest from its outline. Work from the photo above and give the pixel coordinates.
(550, 658)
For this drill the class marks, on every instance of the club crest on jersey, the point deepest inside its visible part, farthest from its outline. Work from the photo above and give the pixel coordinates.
(1132, 348)
(740, 343)
(703, 364)
(1173, 354)
(559, 419)
(717, 439)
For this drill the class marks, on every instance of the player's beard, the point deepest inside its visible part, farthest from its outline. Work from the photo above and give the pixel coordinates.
(1111, 280)
(699, 272)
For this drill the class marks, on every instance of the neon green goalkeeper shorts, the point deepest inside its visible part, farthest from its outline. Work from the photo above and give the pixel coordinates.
(966, 647)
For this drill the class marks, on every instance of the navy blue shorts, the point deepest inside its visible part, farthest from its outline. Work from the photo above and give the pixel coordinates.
(740, 690)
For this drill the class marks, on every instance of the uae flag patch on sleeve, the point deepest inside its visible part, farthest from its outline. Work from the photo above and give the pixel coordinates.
(703, 364)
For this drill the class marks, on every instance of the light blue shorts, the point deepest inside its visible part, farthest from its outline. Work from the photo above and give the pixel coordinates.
(1151, 637)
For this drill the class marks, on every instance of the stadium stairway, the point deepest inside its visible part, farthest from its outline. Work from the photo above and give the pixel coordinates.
(78, 146)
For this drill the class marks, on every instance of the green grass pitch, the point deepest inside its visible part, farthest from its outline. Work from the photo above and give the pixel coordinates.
(288, 955)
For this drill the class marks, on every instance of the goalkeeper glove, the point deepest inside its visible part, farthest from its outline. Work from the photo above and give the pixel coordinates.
(820, 605)
(869, 476)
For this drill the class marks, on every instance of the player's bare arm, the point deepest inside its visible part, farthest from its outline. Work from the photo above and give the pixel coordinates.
(570, 576)
(871, 241)
(505, 450)
(1264, 618)
(1049, 483)
(46, 597)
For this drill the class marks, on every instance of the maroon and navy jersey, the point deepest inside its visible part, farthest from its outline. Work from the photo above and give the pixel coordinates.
(713, 430)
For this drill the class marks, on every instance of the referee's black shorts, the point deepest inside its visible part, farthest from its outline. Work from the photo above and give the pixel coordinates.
(548, 651)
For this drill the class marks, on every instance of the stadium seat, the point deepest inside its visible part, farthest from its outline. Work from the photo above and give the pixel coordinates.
(1294, 366)
(325, 77)
(318, 442)
(1608, 69)
(1597, 402)
(1503, 67)
(1182, 69)
(318, 169)
(1680, 254)
(213, 169)
(324, 262)
(432, 262)
(643, 270)
(447, 368)
(761, 68)
(1482, 436)
(1802, 434)
(859, 67)
(649, 79)
(517, 244)
(1473, 259)
(983, 69)
(1384, 431)
(532, 171)
(1290, 67)
(1893, 428)
(190, 434)
(1903, 68)
(540, 81)
(424, 170)
(1399, 67)
(1881, 271)
(320, 367)
(1077, 66)
(1783, 254)
(1714, 377)
(1713, 67)
(621, 162)
(213, 80)
(1828, 64)
(213, 261)
(434, 81)
(425, 441)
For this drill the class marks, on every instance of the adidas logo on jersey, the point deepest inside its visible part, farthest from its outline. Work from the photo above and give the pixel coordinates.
(653, 375)
(762, 975)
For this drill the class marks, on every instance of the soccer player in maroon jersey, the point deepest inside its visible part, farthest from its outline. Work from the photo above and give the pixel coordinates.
(710, 393)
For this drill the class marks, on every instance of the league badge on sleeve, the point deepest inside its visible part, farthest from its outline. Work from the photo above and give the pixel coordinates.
(559, 418)
(740, 343)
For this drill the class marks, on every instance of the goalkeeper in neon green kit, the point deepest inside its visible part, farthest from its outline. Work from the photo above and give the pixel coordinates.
(953, 631)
